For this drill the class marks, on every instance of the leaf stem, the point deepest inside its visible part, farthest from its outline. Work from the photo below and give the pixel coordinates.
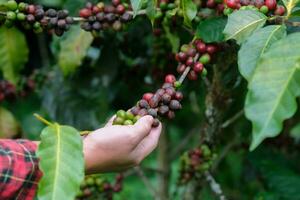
(43, 120)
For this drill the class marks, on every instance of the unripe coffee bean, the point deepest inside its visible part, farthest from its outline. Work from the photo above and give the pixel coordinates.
(129, 115)
(128, 122)
(121, 114)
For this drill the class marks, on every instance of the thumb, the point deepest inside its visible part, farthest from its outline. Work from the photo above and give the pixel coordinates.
(143, 126)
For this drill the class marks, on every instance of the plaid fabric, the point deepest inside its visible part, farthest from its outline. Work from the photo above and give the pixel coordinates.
(19, 172)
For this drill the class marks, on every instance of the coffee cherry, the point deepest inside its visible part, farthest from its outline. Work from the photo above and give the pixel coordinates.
(30, 18)
(211, 4)
(166, 98)
(177, 84)
(31, 9)
(154, 101)
(182, 56)
(162, 110)
(191, 52)
(201, 47)
(85, 13)
(280, 10)
(264, 9)
(62, 14)
(170, 78)
(175, 105)
(205, 58)
(11, 5)
(61, 24)
(118, 121)
(170, 91)
(128, 122)
(120, 9)
(227, 11)
(143, 104)
(129, 115)
(198, 67)
(192, 75)
(259, 3)
(117, 25)
(21, 16)
(116, 2)
(152, 112)
(211, 49)
(171, 114)
(156, 123)
(135, 110)
(178, 96)
(51, 13)
(121, 114)
(147, 96)
(271, 4)
(190, 61)
(126, 17)
(96, 26)
(181, 68)
(10, 15)
(160, 92)
(110, 17)
(231, 4)
(143, 112)
(22, 6)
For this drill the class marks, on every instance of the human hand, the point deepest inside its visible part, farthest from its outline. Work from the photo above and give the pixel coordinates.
(116, 148)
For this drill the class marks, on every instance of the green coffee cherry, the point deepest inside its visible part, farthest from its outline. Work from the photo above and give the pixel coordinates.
(177, 84)
(158, 15)
(184, 48)
(128, 122)
(11, 15)
(21, 16)
(205, 58)
(11, 5)
(118, 121)
(8, 23)
(36, 25)
(129, 115)
(206, 151)
(264, 9)
(227, 11)
(171, 6)
(22, 6)
(204, 72)
(121, 114)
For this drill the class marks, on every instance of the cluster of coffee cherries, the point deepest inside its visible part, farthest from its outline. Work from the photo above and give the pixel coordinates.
(269, 7)
(35, 17)
(101, 16)
(125, 118)
(98, 187)
(195, 162)
(9, 92)
(195, 56)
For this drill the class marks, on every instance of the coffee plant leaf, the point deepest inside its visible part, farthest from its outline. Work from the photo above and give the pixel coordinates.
(151, 10)
(289, 4)
(273, 89)
(211, 30)
(295, 133)
(136, 6)
(255, 46)
(189, 10)
(61, 161)
(73, 49)
(9, 127)
(241, 24)
(13, 53)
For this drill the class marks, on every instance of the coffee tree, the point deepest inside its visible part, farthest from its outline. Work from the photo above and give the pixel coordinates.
(196, 66)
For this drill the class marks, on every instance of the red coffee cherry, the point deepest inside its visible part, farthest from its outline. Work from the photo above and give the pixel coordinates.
(85, 13)
(201, 47)
(147, 96)
(211, 49)
(170, 78)
(178, 96)
(280, 10)
(271, 4)
(181, 68)
(192, 75)
(231, 4)
(182, 56)
(190, 61)
(198, 67)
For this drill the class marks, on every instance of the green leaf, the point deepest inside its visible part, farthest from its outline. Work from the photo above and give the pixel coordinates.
(241, 24)
(151, 10)
(13, 53)
(289, 4)
(171, 36)
(255, 46)
(9, 127)
(273, 89)
(61, 161)
(136, 6)
(211, 30)
(73, 49)
(189, 10)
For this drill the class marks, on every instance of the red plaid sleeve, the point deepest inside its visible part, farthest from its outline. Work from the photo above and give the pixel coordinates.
(19, 172)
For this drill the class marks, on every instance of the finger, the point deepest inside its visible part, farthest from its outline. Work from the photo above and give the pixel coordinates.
(149, 143)
(110, 121)
(142, 127)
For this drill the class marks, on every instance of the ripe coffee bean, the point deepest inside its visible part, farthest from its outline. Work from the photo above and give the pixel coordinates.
(211, 3)
(171, 114)
(116, 2)
(178, 96)
(126, 17)
(160, 92)
(110, 17)
(135, 110)
(39, 14)
(201, 47)
(86, 26)
(166, 98)
(30, 18)
(62, 14)
(170, 91)
(191, 52)
(53, 22)
(182, 56)
(96, 10)
(96, 26)
(175, 105)
(190, 61)
(280, 10)
(170, 78)
(211, 49)
(152, 112)
(162, 110)
(85, 13)
(198, 67)
(231, 4)
(109, 9)
(192, 75)
(143, 104)
(31, 9)
(51, 13)
(120, 9)
(147, 96)
(154, 101)
(143, 112)
(69, 20)
(181, 68)
(61, 24)
(100, 17)
(271, 4)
